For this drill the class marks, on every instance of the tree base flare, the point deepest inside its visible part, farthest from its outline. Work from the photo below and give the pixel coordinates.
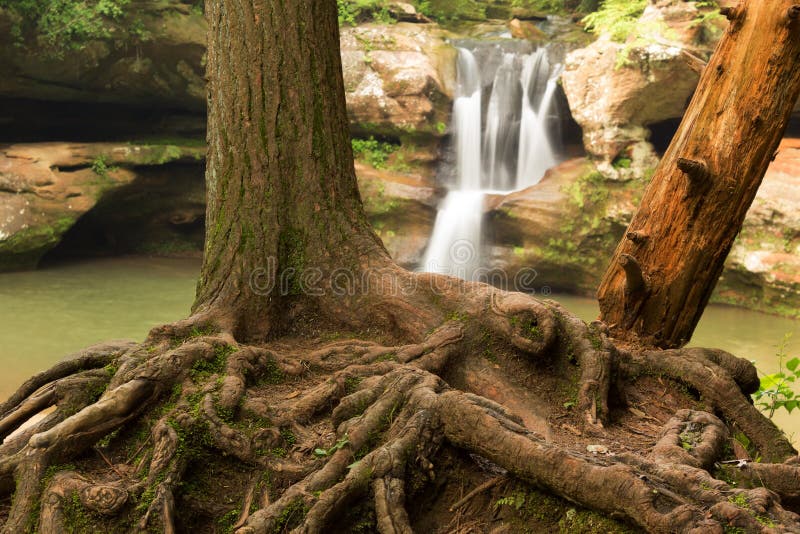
(196, 430)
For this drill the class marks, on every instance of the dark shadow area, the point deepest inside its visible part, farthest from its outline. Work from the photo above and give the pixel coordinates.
(661, 134)
(568, 130)
(793, 129)
(162, 212)
(28, 121)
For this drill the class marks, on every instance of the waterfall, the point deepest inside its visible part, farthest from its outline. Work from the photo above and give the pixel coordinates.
(501, 136)
(512, 152)
(455, 243)
(535, 150)
(454, 247)
(467, 122)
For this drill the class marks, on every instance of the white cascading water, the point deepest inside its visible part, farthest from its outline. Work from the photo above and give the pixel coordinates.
(454, 244)
(536, 153)
(513, 152)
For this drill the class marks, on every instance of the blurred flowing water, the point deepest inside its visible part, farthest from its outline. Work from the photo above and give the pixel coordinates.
(502, 143)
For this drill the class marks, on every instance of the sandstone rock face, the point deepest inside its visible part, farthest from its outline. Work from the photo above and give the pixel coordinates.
(163, 70)
(563, 231)
(523, 29)
(401, 208)
(614, 99)
(46, 187)
(399, 79)
(151, 199)
(763, 268)
(559, 234)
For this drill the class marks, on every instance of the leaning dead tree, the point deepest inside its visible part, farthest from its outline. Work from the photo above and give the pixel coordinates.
(663, 274)
(315, 375)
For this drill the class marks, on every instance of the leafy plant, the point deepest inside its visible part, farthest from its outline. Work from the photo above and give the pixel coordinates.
(64, 24)
(540, 5)
(617, 18)
(776, 390)
(622, 162)
(351, 12)
(373, 152)
(101, 167)
(321, 453)
(515, 500)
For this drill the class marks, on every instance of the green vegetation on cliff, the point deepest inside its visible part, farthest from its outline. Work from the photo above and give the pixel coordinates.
(353, 12)
(617, 18)
(61, 25)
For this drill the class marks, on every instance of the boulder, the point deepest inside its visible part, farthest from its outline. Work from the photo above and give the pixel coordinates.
(763, 268)
(401, 208)
(616, 90)
(405, 12)
(523, 29)
(399, 79)
(159, 63)
(560, 233)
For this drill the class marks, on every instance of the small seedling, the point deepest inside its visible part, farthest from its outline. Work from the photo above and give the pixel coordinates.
(322, 453)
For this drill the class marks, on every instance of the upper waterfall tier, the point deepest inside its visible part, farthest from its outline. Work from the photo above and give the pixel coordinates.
(505, 123)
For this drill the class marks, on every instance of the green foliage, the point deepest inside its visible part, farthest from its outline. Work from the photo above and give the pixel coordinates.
(776, 389)
(343, 441)
(617, 18)
(100, 167)
(272, 373)
(543, 6)
(351, 12)
(227, 521)
(528, 327)
(373, 152)
(622, 162)
(57, 26)
(77, 519)
(291, 516)
(709, 12)
(516, 500)
(203, 368)
(740, 500)
(64, 24)
(589, 191)
(351, 384)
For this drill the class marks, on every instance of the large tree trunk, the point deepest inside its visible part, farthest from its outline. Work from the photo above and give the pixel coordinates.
(282, 192)
(664, 271)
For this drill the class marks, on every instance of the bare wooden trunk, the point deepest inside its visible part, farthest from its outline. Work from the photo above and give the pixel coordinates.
(663, 273)
(282, 192)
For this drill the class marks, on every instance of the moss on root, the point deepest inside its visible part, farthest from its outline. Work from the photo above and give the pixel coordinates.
(529, 511)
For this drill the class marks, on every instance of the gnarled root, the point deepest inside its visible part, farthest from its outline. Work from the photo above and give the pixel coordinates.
(316, 427)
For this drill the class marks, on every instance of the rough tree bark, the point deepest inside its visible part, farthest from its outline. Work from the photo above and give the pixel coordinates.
(282, 191)
(662, 276)
(314, 373)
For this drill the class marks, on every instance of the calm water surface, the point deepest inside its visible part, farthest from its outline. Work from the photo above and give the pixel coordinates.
(48, 314)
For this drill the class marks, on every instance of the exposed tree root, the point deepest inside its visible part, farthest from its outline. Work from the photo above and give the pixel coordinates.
(320, 426)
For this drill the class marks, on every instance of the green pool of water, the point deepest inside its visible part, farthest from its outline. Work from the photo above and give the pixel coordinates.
(48, 314)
